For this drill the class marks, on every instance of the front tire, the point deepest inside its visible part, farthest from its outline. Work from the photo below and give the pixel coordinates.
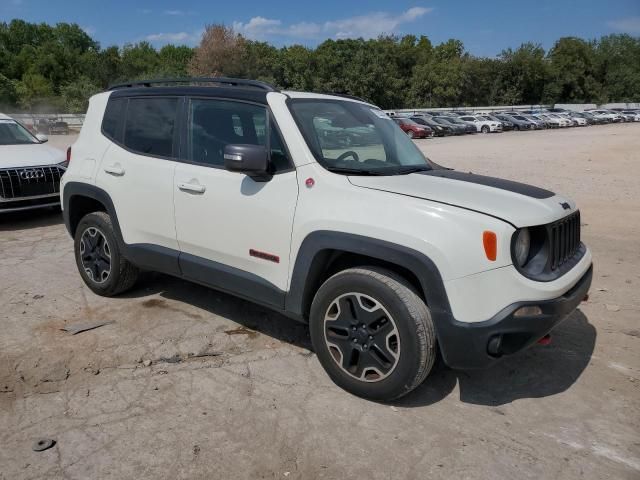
(372, 333)
(485, 129)
(98, 258)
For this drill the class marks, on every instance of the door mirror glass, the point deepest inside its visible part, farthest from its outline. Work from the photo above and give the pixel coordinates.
(252, 160)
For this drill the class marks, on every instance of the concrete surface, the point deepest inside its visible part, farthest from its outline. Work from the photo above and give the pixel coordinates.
(256, 403)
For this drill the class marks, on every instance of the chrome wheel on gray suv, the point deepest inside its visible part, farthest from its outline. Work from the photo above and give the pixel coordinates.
(98, 257)
(372, 333)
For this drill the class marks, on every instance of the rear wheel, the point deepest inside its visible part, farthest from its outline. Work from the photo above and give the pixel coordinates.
(372, 333)
(98, 257)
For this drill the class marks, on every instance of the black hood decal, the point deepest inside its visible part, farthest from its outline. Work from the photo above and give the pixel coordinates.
(515, 187)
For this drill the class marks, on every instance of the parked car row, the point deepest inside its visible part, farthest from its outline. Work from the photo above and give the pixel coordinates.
(424, 124)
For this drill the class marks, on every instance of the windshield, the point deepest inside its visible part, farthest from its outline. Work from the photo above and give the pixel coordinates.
(355, 138)
(12, 133)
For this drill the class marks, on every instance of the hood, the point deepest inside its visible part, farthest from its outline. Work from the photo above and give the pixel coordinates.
(30, 155)
(516, 203)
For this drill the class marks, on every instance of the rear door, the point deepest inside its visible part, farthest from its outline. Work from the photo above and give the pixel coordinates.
(234, 232)
(138, 167)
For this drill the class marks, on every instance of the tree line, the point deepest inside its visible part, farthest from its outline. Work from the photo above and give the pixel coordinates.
(56, 68)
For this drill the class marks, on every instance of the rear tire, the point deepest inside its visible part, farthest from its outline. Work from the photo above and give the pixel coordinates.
(372, 333)
(99, 259)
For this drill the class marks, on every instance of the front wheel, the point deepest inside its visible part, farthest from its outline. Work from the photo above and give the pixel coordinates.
(372, 333)
(100, 262)
(485, 129)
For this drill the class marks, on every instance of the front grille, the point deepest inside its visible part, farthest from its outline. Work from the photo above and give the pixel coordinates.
(564, 236)
(17, 183)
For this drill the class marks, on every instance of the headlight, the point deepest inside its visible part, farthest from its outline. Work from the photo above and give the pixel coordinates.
(522, 246)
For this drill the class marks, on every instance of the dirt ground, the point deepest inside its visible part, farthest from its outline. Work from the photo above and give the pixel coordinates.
(190, 383)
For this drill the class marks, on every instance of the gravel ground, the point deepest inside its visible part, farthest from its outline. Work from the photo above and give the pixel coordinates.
(190, 383)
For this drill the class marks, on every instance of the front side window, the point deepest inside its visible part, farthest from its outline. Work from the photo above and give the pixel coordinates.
(350, 137)
(214, 124)
(150, 125)
(12, 133)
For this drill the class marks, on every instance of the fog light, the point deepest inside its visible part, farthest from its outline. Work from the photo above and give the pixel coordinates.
(529, 311)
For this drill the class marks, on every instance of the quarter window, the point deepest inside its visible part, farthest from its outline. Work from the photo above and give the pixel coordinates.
(150, 126)
(113, 118)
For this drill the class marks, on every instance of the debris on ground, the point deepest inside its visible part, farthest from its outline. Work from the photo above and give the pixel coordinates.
(83, 327)
(241, 331)
(146, 363)
(612, 308)
(43, 444)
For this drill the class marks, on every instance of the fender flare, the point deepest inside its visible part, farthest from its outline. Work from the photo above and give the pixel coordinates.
(73, 189)
(309, 255)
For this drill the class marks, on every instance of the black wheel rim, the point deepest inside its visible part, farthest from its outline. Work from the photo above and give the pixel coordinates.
(95, 255)
(362, 337)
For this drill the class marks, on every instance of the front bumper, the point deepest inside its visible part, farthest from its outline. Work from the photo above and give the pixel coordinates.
(466, 345)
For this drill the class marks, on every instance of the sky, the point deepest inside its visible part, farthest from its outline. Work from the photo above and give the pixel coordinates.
(485, 27)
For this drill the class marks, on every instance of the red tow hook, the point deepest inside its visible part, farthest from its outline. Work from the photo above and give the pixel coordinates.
(546, 340)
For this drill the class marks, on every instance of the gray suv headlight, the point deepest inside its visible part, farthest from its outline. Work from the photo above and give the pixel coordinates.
(521, 247)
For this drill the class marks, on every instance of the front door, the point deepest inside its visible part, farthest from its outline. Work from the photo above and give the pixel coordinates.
(234, 233)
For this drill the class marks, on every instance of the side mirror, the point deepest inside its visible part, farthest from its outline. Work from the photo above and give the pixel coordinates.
(42, 137)
(252, 160)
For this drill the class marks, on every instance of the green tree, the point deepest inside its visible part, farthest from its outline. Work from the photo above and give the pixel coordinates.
(77, 93)
(33, 89)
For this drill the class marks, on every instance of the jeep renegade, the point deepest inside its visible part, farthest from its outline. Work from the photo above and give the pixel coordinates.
(320, 207)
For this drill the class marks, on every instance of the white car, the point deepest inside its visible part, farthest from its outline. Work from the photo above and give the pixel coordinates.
(482, 124)
(564, 122)
(30, 171)
(321, 208)
(607, 115)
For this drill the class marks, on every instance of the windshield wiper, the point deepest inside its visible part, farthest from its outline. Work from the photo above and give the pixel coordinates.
(357, 171)
(417, 168)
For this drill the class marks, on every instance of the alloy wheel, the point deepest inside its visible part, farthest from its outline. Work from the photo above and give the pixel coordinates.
(362, 337)
(95, 255)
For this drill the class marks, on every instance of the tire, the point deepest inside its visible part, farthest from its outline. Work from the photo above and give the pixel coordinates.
(516, 128)
(102, 267)
(411, 134)
(388, 357)
(485, 129)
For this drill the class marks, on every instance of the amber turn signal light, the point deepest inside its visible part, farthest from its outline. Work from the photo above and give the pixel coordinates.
(490, 242)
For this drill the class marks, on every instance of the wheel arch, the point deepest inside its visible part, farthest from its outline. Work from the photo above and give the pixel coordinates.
(78, 199)
(324, 253)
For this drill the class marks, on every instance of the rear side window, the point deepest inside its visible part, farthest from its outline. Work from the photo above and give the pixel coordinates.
(113, 118)
(150, 126)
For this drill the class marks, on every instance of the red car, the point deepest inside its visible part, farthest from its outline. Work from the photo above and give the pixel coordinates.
(413, 129)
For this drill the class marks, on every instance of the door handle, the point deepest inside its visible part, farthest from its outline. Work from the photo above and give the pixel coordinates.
(115, 170)
(192, 187)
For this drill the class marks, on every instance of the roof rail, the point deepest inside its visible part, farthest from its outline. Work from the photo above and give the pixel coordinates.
(346, 95)
(233, 82)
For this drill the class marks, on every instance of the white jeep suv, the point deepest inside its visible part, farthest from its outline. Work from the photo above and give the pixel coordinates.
(320, 207)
